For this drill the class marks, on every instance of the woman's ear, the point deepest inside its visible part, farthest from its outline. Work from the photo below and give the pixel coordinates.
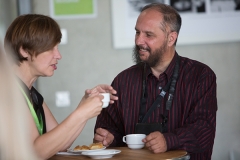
(23, 52)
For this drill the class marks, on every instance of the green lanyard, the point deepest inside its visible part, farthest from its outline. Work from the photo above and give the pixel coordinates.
(36, 120)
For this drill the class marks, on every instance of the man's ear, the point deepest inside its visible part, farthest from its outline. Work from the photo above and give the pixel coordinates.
(172, 37)
(23, 52)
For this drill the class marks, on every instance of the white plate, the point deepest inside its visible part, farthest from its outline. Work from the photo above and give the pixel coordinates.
(108, 153)
(79, 151)
(68, 153)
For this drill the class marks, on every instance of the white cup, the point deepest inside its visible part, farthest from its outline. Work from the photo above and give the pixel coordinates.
(106, 99)
(134, 141)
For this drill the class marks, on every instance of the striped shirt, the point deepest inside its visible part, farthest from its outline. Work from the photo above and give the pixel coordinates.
(191, 119)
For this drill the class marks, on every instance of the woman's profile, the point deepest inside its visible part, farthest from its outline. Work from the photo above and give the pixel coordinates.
(31, 42)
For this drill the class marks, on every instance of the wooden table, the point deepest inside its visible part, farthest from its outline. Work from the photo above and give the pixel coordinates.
(129, 154)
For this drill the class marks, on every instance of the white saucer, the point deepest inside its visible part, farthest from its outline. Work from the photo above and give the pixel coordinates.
(107, 153)
(68, 153)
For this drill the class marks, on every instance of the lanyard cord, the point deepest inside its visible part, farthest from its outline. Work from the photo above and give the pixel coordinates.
(169, 87)
(36, 120)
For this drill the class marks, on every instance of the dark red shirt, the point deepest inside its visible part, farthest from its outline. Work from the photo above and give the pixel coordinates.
(191, 119)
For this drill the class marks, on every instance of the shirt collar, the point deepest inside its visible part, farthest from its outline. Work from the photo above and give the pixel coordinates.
(169, 71)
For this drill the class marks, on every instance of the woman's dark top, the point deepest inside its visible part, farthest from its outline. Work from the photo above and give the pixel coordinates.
(37, 100)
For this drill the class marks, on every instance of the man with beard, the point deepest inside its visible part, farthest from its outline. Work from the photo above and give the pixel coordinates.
(171, 99)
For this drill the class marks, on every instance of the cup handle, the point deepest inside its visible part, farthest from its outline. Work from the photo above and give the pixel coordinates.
(124, 139)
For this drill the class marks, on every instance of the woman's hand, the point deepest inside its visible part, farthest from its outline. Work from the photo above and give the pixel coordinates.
(102, 88)
(92, 103)
(91, 106)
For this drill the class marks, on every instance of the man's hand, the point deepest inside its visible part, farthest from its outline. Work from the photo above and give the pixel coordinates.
(155, 142)
(104, 136)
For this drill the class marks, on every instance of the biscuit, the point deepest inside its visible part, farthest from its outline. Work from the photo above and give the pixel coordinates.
(77, 148)
(84, 147)
(95, 146)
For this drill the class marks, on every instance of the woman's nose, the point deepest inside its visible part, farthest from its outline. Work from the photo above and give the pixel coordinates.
(58, 55)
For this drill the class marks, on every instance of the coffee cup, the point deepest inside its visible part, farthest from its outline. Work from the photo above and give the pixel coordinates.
(106, 99)
(134, 141)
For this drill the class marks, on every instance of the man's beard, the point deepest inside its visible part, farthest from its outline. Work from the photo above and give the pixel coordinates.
(154, 58)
